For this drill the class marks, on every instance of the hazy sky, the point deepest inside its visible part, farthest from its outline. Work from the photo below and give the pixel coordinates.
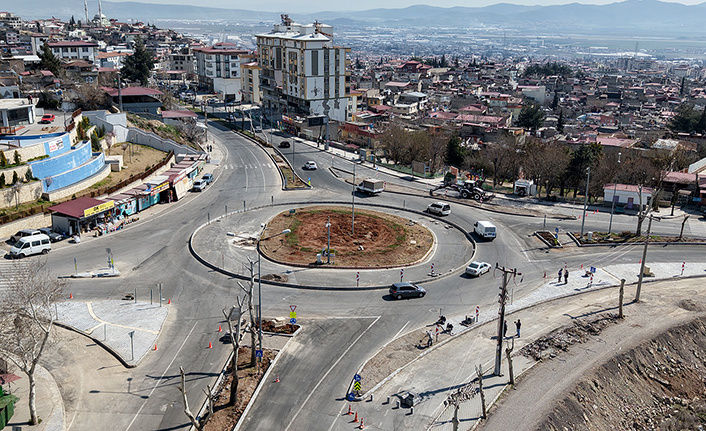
(326, 5)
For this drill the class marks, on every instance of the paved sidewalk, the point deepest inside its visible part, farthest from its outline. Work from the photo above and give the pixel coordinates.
(439, 371)
(50, 406)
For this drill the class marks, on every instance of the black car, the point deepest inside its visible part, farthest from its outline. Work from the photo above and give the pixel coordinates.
(53, 236)
(407, 290)
(284, 144)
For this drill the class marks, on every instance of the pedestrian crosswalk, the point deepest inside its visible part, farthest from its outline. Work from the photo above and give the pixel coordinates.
(233, 166)
(8, 270)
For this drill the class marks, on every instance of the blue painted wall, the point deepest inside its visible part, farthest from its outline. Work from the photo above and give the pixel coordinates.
(80, 173)
(57, 165)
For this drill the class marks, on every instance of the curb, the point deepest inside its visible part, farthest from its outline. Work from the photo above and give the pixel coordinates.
(100, 343)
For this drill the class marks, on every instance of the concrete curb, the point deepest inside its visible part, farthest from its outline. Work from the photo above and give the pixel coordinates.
(100, 343)
(618, 244)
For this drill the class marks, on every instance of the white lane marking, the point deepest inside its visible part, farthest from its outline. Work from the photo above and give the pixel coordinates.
(162, 376)
(327, 373)
(400, 331)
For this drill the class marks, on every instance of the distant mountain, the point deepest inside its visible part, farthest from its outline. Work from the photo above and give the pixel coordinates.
(640, 16)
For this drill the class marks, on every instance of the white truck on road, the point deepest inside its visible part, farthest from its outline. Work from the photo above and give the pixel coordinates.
(371, 187)
(485, 230)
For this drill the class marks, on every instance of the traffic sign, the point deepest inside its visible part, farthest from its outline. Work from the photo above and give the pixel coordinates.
(356, 386)
(556, 229)
(357, 276)
(293, 307)
(258, 353)
(292, 314)
(593, 269)
(357, 377)
(292, 321)
(351, 397)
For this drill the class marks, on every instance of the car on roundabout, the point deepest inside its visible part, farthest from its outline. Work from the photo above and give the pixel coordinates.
(284, 144)
(439, 208)
(207, 178)
(406, 290)
(199, 186)
(476, 268)
(310, 166)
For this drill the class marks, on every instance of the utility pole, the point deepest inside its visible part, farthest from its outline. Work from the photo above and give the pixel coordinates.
(501, 316)
(585, 201)
(120, 93)
(644, 256)
(353, 204)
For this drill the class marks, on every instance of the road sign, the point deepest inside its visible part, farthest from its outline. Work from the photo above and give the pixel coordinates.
(293, 307)
(357, 276)
(356, 386)
(593, 269)
(292, 314)
(357, 377)
(556, 229)
(351, 397)
(258, 353)
(292, 321)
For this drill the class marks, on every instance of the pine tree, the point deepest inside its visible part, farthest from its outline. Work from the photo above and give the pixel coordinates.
(28, 175)
(560, 122)
(15, 178)
(3, 159)
(17, 158)
(139, 65)
(2, 180)
(48, 61)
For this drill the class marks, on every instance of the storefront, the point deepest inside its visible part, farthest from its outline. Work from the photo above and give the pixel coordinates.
(81, 215)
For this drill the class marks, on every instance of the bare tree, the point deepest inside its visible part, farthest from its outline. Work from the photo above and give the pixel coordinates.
(508, 353)
(198, 424)
(191, 131)
(479, 373)
(27, 316)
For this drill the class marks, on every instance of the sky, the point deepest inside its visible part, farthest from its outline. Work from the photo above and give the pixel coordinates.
(301, 6)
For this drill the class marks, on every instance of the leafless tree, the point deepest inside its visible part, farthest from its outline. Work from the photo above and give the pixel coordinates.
(198, 424)
(91, 97)
(642, 172)
(479, 373)
(437, 149)
(508, 353)
(191, 131)
(501, 155)
(27, 316)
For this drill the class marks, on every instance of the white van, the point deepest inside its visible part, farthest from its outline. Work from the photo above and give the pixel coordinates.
(485, 230)
(29, 245)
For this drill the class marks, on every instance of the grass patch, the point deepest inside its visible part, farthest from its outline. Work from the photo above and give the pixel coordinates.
(101, 183)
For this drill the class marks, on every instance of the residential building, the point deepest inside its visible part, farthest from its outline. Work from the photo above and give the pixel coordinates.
(218, 69)
(250, 73)
(302, 72)
(10, 20)
(74, 50)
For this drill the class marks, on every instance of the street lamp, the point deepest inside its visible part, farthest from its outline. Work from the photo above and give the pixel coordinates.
(259, 280)
(585, 202)
(612, 207)
(328, 240)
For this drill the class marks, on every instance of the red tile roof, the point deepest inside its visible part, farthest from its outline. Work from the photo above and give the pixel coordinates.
(75, 208)
(132, 91)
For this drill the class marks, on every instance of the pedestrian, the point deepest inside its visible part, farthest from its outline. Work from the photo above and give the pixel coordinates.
(518, 324)
(560, 271)
(504, 329)
(566, 276)
(429, 339)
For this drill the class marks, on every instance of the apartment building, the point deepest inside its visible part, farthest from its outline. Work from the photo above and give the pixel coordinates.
(251, 83)
(11, 20)
(302, 72)
(218, 68)
(74, 50)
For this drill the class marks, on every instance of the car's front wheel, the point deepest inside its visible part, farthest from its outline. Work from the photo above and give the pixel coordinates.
(399, 296)
(421, 295)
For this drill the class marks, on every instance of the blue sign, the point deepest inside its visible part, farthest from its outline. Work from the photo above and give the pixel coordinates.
(292, 321)
(556, 229)
(356, 377)
(258, 353)
(593, 269)
(351, 397)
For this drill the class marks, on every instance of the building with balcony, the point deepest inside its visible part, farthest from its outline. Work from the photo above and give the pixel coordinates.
(302, 72)
(251, 83)
(74, 50)
(218, 69)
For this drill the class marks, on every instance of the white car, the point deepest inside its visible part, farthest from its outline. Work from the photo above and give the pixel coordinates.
(310, 166)
(476, 268)
(439, 208)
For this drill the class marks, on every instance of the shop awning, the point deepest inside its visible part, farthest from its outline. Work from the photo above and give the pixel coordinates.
(82, 207)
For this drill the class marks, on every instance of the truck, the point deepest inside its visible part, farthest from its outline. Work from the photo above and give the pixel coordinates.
(370, 186)
(472, 189)
(485, 230)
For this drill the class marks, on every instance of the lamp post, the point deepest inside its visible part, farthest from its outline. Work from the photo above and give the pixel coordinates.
(585, 202)
(612, 207)
(328, 240)
(259, 280)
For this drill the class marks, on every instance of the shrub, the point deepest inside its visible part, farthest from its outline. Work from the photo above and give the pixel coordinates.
(3, 159)
(28, 175)
(2, 180)
(95, 143)
(626, 234)
(15, 178)
(17, 158)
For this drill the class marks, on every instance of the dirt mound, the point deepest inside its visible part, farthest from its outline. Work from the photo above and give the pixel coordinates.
(378, 239)
(658, 385)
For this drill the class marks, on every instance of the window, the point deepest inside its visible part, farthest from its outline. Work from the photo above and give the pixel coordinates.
(45, 241)
(314, 62)
(84, 49)
(36, 243)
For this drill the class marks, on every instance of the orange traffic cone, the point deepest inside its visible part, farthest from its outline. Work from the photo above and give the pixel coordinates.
(209, 345)
(71, 296)
(170, 301)
(545, 274)
(350, 412)
(640, 262)
(356, 417)
(277, 379)
(582, 266)
(219, 328)
(361, 424)
(155, 347)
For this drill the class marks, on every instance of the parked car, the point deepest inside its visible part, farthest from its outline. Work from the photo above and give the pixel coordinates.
(310, 166)
(407, 290)
(284, 144)
(258, 129)
(23, 233)
(47, 118)
(199, 185)
(207, 178)
(29, 245)
(476, 268)
(439, 208)
(53, 236)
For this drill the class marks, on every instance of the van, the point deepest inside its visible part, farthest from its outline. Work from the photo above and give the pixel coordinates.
(30, 245)
(439, 208)
(485, 230)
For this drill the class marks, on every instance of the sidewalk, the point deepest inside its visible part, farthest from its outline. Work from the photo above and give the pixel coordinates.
(50, 406)
(437, 372)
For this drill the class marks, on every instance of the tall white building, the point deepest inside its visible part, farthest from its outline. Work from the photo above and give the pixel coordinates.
(218, 68)
(302, 71)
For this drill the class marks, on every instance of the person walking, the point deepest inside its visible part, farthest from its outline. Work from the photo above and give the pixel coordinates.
(518, 324)
(560, 275)
(429, 339)
(505, 329)
(566, 276)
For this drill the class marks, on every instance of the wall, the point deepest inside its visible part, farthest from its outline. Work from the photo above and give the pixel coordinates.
(29, 192)
(56, 166)
(151, 140)
(76, 175)
(33, 222)
(78, 187)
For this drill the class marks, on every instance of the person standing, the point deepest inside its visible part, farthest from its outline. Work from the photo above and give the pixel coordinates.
(518, 324)
(566, 276)
(560, 271)
(429, 339)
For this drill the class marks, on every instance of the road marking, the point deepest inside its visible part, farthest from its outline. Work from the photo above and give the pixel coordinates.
(401, 329)
(89, 305)
(324, 376)
(162, 376)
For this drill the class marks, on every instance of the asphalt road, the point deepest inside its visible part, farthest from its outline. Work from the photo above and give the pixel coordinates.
(340, 329)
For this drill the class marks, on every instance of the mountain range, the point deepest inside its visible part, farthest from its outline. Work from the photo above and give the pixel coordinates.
(643, 17)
